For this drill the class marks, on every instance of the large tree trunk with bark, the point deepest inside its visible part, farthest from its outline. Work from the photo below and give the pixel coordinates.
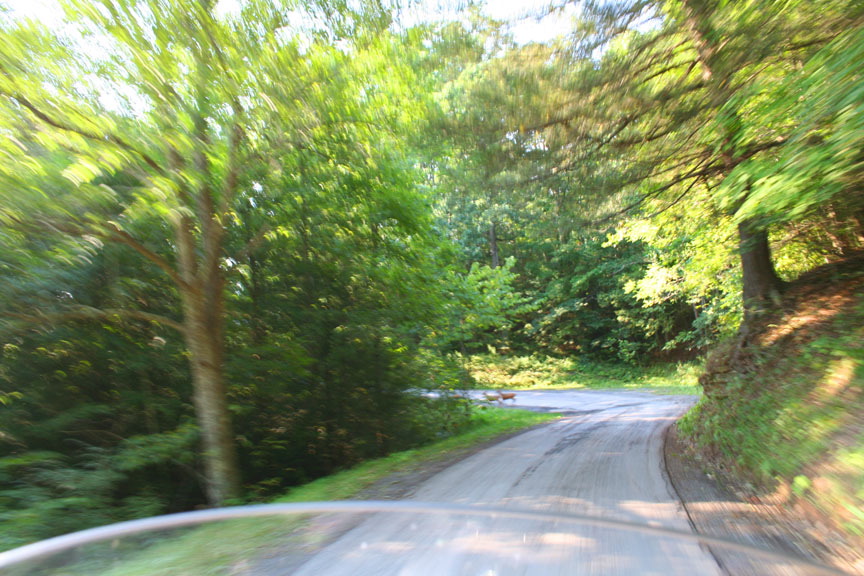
(204, 339)
(201, 285)
(204, 322)
(202, 288)
(761, 283)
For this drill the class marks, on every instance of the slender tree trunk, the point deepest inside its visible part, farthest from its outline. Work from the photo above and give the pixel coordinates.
(562, 223)
(761, 283)
(493, 245)
(256, 294)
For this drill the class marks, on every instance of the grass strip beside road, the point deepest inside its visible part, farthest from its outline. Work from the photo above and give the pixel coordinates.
(487, 423)
(573, 373)
(226, 547)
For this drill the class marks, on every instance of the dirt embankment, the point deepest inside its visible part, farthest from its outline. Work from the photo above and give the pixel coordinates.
(721, 506)
(781, 426)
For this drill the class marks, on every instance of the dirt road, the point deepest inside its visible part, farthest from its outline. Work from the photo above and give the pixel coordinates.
(604, 458)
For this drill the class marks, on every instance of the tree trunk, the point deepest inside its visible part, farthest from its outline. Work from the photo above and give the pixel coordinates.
(761, 283)
(204, 338)
(255, 285)
(493, 246)
(561, 219)
(203, 301)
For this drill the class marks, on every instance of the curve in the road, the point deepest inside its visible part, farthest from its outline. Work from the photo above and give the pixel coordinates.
(603, 458)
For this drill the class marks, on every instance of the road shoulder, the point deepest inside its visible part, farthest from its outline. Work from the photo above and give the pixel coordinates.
(719, 510)
(402, 484)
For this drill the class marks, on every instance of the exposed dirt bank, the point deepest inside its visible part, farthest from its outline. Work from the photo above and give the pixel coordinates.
(720, 506)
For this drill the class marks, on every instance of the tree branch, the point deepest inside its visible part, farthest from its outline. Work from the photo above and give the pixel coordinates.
(113, 138)
(704, 169)
(676, 200)
(252, 244)
(693, 174)
(119, 235)
(235, 138)
(90, 313)
(114, 234)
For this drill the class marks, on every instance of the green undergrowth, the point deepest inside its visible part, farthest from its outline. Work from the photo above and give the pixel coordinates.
(783, 412)
(539, 371)
(232, 547)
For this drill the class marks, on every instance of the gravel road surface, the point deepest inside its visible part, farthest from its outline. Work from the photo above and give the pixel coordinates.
(603, 458)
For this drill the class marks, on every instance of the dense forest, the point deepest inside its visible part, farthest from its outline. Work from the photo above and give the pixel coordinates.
(237, 242)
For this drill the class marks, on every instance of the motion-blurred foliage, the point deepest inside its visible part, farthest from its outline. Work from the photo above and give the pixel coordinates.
(235, 246)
